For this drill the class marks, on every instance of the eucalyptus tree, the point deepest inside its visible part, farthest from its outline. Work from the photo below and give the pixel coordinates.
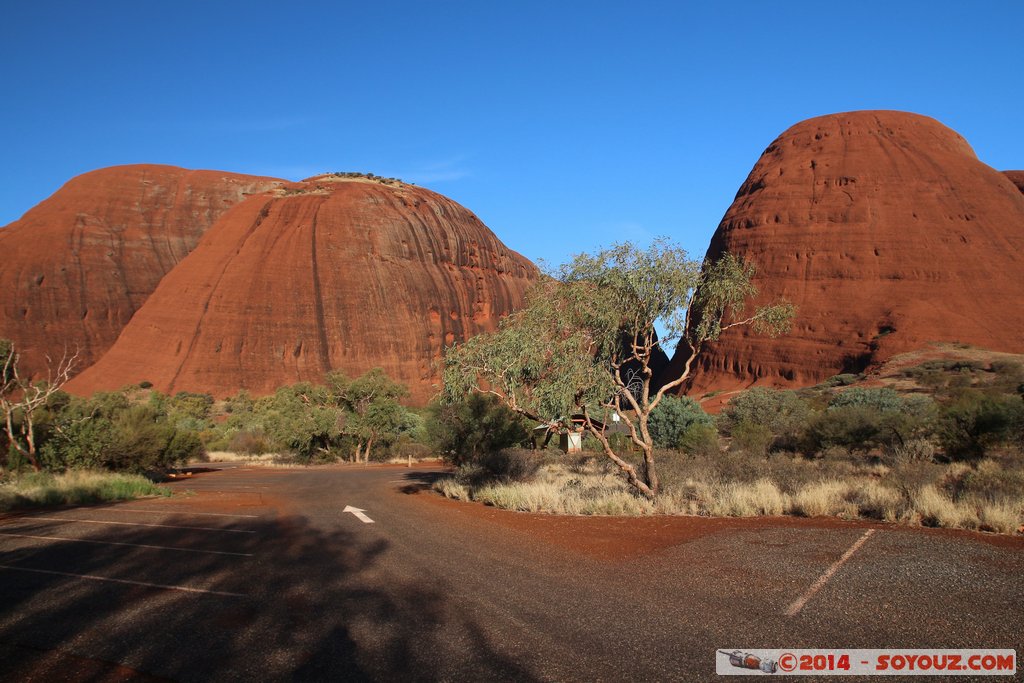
(584, 343)
(21, 398)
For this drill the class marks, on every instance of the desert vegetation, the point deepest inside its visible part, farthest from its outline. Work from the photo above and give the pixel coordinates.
(580, 354)
(59, 448)
(946, 450)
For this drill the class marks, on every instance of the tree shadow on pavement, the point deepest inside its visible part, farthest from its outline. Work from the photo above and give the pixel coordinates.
(310, 605)
(417, 482)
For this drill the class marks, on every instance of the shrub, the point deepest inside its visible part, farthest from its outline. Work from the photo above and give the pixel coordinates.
(250, 442)
(752, 438)
(673, 416)
(882, 400)
(699, 439)
(512, 464)
(184, 447)
(976, 422)
(855, 427)
(464, 431)
(914, 450)
(863, 419)
(781, 412)
(108, 432)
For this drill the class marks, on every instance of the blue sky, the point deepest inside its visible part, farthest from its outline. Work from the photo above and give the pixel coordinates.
(564, 125)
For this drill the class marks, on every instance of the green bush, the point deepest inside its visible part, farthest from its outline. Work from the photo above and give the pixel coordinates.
(466, 430)
(108, 432)
(699, 439)
(752, 438)
(882, 400)
(673, 417)
(184, 447)
(974, 423)
(299, 418)
(862, 419)
(783, 413)
(856, 427)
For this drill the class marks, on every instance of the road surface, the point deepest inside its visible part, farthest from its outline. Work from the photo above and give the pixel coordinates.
(262, 574)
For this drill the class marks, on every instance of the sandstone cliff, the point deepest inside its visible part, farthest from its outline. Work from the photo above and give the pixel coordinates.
(331, 273)
(1017, 177)
(76, 267)
(887, 232)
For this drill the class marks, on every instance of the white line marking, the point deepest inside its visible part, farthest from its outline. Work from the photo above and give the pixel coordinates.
(90, 577)
(798, 605)
(132, 545)
(178, 512)
(358, 514)
(164, 526)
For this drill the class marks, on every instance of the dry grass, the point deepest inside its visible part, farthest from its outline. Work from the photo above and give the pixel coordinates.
(231, 456)
(1002, 517)
(77, 487)
(264, 460)
(937, 509)
(916, 494)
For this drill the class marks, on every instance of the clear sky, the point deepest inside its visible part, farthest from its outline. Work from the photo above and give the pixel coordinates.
(564, 125)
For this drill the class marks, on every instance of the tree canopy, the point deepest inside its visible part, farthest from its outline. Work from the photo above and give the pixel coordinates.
(585, 340)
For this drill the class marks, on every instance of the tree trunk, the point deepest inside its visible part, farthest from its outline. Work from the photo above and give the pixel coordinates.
(30, 439)
(29, 452)
(650, 474)
(366, 453)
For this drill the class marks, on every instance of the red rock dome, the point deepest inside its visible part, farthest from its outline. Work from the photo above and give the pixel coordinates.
(335, 272)
(77, 266)
(887, 232)
(1017, 177)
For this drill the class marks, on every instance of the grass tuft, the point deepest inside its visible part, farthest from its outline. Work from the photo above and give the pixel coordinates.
(76, 487)
(986, 496)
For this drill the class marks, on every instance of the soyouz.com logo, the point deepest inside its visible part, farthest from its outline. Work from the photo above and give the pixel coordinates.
(744, 662)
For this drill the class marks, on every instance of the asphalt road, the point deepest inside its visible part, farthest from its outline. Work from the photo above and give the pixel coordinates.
(260, 575)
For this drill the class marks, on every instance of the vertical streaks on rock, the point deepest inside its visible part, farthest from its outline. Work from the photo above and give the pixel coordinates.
(318, 302)
(78, 265)
(330, 274)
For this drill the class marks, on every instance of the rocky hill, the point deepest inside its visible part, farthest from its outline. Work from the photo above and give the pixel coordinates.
(76, 267)
(336, 272)
(887, 232)
(1017, 177)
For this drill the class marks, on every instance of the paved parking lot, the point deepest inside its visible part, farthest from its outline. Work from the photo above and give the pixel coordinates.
(269, 575)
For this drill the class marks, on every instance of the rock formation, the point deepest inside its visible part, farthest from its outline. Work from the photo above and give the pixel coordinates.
(1017, 177)
(335, 272)
(78, 265)
(887, 232)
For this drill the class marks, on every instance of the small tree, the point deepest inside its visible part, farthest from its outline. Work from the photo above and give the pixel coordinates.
(299, 417)
(585, 341)
(21, 399)
(371, 412)
(673, 418)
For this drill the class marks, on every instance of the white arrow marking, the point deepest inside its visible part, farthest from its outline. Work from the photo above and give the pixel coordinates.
(359, 514)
